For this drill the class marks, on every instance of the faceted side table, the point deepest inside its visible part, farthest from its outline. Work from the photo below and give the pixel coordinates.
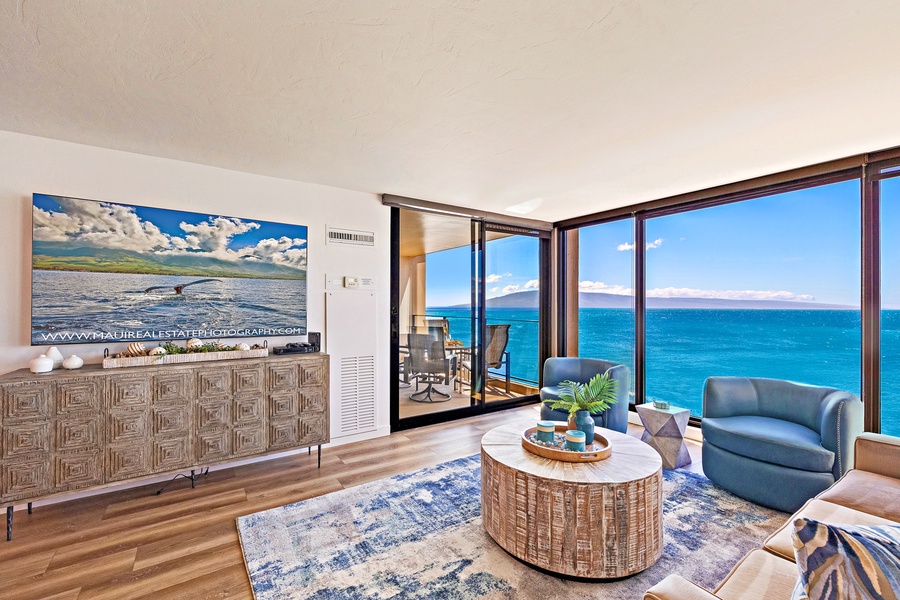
(664, 432)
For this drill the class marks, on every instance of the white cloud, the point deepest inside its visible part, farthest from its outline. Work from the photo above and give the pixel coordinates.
(214, 235)
(495, 289)
(650, 245)
(671, 292)
(599, 286)
(532, 284)
(105, 225)
(510, 289)
(493, 278)
(98, 224)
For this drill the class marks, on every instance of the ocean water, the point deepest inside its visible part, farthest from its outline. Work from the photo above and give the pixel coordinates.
(95, 307)
(685, 346)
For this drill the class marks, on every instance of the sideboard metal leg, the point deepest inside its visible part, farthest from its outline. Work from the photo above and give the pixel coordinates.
(320, 454)
(310, 451)
(193, 479)
(29, 508)
(9, 513)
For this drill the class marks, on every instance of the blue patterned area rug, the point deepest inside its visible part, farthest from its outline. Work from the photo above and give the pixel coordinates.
(419, 536)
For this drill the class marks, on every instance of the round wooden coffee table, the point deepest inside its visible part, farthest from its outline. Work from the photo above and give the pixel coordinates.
(596, 520)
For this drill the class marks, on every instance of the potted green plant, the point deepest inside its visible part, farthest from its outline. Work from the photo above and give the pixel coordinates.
(581, 400)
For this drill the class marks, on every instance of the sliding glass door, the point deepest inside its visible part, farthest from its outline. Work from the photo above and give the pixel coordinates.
(466, 317)
(436, 312)
(512, 279)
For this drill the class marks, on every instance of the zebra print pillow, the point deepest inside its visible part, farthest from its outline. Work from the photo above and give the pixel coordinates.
(844, 562)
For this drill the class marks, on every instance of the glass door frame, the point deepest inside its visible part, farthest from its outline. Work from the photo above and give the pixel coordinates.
(480, 226)
(874, 174)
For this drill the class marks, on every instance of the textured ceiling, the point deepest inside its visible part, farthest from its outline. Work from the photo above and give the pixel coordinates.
(547, 109)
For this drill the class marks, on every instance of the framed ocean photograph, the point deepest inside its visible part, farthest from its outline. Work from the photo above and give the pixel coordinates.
(108, 272)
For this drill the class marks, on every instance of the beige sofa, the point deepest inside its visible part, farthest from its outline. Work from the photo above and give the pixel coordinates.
(869, 494)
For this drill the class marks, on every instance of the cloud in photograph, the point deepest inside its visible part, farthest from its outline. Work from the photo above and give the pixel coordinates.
(214, 235)
(98, 225)
(117, 226)
(493, 278)
(509, 289)
(532, 284)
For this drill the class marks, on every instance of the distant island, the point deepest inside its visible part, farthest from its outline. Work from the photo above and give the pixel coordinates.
(56, 256)
(529, 299)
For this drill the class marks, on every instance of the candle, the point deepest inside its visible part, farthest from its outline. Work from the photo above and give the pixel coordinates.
(545, 431)
(575, 440)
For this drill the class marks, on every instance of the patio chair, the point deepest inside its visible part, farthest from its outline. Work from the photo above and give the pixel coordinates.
(495, 353)
(441, 322)
(430, 363)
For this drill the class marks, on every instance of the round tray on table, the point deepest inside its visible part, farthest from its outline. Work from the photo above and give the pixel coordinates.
(598, 450)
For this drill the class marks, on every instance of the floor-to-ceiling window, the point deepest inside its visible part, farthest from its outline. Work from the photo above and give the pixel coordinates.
(606, 292)
(767, 287)
(890, 306)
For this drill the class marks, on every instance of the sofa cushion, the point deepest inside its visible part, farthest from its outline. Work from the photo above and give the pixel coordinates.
(781, 543)
(866, 492)
(769, 440)
(858, 562)
(759, 575)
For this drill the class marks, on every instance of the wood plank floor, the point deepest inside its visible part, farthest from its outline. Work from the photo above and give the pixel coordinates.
(184, 544)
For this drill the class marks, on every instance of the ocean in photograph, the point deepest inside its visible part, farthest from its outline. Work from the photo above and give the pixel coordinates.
(72, 307)
(685, 346)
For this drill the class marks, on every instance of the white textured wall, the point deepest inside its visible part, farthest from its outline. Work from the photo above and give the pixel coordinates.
(31, 164)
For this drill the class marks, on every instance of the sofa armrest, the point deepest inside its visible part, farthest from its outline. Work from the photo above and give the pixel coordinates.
(729, 397)
(840, 420)
(879, 454)
(675, 587)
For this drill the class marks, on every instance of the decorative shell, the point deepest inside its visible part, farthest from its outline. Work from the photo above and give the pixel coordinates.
(135, 349)
(242, 346)
(158, 351)
(193, 343)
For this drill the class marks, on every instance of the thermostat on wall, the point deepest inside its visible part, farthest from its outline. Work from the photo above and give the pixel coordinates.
(351, 282)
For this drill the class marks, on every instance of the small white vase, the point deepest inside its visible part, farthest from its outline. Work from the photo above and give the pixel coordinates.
(41, 364)
(56, 356)
(73, 362)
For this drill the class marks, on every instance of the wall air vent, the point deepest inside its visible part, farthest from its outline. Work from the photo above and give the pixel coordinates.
(357, 408)
(350, 236)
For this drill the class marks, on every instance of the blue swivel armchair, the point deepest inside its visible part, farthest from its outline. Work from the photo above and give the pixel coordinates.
(774, 442)
(582, 370)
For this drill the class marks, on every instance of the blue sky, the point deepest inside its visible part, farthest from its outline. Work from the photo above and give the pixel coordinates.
(802, 246)
(511, 262)
(169, 222)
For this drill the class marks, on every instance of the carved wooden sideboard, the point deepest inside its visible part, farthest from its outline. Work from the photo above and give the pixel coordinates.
(74, 430)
